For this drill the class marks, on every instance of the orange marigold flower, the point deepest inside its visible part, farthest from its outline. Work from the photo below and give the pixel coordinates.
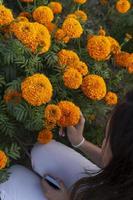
(43, 15)
(26, 33)
(45, 136)
(81, 67)
(52, 113)
(111, 98)
(3, 160)
(123, 6)
(11, 95)
(36, 89)
(68, 58)
(33, 35)
(124, 59)
(115, 47)
(61, 36)
(72, 78)
(80, 1)
(70, 114)
(94, 87)
(6, 16)
(81, 15)
(72, 28)
(99, 47)
(56, 7)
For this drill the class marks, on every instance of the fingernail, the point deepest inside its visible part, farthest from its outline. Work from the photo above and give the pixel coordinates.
(61, 133)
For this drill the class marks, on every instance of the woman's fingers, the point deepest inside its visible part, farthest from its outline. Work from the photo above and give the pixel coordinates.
(52, 176)
(70, 129)
(61, 132)
(81, 123)
(46, 186)
(62, 185)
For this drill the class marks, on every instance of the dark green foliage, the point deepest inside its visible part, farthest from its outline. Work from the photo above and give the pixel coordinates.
(7, 126)
(2, 81)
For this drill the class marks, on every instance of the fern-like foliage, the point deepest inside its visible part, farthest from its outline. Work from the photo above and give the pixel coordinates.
(2, 81)
(13, 151)
(7, 126)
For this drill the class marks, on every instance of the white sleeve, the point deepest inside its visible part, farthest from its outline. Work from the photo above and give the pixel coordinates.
(4, 196)
(23, 184)
(60, 161)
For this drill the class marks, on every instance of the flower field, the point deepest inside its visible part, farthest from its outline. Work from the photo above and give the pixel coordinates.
(58, 58)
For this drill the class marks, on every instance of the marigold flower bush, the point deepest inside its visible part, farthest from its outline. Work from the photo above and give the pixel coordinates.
(57, 59)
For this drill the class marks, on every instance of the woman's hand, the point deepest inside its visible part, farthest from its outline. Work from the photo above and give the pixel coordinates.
(55, 194)
(75, 133)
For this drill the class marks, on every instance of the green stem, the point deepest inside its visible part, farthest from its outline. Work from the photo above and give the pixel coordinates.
(123, 43)
(78, 7)
(28, 5)
(22, 146)
(35, 4)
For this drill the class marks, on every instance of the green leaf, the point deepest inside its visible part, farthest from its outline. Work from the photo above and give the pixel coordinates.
(13, 152)
(6, 125)
(15, 85)
(2, 81)
(21, 111)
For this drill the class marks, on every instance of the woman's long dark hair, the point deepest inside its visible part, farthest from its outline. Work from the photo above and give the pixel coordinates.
(115, 181)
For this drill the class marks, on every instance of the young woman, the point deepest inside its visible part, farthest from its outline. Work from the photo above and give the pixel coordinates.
(115, 158)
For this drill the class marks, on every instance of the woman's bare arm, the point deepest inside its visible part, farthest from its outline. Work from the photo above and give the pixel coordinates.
(93, 152)
(75, 136)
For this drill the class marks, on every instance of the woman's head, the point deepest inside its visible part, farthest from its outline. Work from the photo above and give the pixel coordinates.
(118, 142)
